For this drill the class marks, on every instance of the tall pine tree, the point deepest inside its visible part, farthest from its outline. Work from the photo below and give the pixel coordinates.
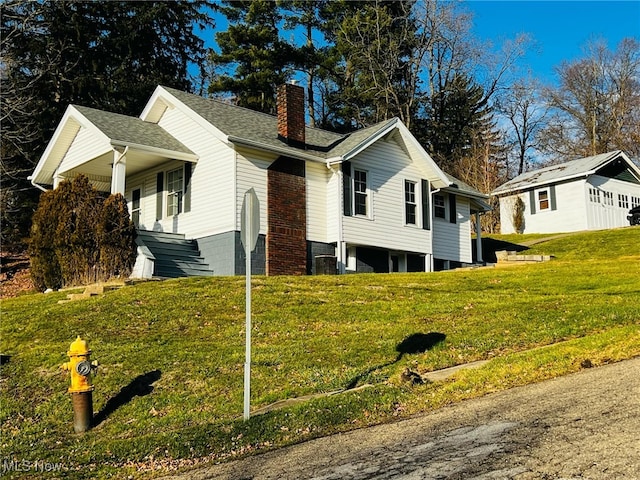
(253, 60)
(107, 55)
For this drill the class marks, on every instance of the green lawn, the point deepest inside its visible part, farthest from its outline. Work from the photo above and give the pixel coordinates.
(169, 388)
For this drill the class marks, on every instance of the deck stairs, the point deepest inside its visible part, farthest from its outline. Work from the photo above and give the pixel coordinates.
(174, 255)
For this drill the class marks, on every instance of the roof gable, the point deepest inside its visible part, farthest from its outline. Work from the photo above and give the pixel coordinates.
(249, 127)
(109, 130)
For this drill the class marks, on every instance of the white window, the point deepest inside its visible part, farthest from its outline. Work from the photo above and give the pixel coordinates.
(608, 198)
(175, 185)
(543, 200)
(360, 193)
(635, 202)
(439, 209)
(623, 201)
(410, 205)
(594, 195)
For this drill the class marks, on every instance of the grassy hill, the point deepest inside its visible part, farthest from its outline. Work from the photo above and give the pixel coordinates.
(169, 389)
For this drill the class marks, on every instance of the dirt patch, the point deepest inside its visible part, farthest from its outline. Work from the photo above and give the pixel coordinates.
(15, 274)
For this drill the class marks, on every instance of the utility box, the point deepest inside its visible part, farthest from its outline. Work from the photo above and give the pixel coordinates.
(326, 265)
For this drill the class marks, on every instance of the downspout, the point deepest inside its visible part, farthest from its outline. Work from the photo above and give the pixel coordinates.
(39, 187)
(431, 256)
(341, 263)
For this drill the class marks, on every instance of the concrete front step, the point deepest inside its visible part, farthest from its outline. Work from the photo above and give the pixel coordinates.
(507, 256)
(92, 291)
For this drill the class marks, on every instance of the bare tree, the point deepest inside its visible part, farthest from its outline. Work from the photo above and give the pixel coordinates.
(526, 112)
(596, 107)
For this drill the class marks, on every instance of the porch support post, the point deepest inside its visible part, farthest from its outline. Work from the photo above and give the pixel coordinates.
(478, 239)
(56, 180)
(119, 171)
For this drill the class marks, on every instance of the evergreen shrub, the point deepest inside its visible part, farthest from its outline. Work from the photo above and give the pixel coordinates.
(518, 215)
(79, 237)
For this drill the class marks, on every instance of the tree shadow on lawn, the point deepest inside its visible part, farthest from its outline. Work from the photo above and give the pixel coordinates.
(140, 386)
(414, 343)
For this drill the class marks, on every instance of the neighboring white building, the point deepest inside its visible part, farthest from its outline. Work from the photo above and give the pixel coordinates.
(592, 193)
(374, 199)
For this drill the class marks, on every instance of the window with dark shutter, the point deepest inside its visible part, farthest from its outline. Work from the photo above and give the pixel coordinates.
(159, 194)
(187, 187)
(426, 213)
(346, 188)
(532, 201)
(360, 194)
(410, 205)
(453, 214)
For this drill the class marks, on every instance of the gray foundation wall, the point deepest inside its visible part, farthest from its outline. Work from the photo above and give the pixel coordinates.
(225, 255)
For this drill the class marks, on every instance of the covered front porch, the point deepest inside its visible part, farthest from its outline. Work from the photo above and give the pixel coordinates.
(110, 149)
(107, 148)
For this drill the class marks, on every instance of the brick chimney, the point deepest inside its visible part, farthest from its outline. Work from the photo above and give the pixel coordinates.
(291, 114)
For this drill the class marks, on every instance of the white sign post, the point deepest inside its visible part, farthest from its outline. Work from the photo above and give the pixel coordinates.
(249, 231)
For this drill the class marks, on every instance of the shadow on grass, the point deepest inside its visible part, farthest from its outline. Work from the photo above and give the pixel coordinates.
(139, 387)
(414, 343)
(490, 246)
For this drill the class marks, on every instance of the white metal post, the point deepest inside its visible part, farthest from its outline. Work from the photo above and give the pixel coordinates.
(247, 359)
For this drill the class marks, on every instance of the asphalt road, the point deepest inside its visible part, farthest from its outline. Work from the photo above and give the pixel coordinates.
(582, 426)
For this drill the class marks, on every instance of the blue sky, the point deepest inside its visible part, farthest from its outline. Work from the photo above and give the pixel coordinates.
(560, 28)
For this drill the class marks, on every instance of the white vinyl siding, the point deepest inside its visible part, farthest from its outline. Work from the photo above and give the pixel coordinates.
(334, 205)
(387, 166)
(251, 172)
(211, 184)
(591, 204)
(317, 178)
(452, 241)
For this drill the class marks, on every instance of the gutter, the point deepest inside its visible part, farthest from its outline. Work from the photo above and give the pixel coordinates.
(184, 156)
(39, 187)
(270, 148)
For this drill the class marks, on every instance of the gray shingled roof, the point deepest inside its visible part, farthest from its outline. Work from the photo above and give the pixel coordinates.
(555, 173)
(131, 130)
(256, 127)
(463, 187)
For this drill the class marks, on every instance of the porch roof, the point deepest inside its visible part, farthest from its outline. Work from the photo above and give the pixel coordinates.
(147, 143)
(125, 131)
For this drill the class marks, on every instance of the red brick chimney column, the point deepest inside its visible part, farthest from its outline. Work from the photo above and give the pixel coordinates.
(291, 114)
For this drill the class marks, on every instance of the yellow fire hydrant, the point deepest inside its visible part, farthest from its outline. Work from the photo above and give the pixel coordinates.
(81, 389)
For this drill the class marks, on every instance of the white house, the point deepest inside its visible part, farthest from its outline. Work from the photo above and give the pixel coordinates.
(592, 193)
(373, 199)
